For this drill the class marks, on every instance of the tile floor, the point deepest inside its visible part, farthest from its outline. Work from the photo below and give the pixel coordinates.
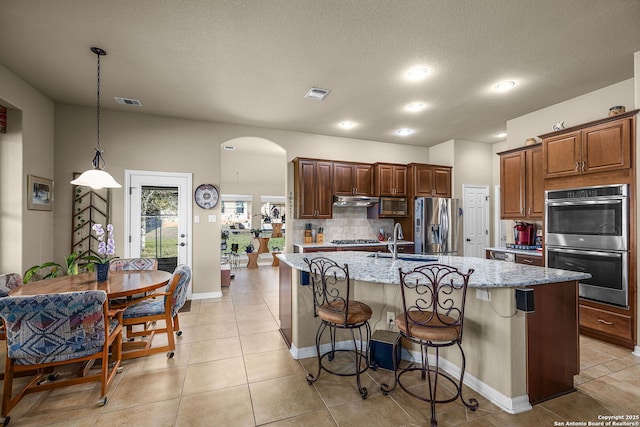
(232, 368)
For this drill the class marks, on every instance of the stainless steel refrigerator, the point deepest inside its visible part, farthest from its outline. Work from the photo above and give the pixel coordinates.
(437, 225)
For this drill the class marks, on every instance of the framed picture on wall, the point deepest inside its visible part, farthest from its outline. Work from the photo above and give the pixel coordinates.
(39, 193)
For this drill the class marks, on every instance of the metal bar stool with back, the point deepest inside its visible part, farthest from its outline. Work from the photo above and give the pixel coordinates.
(433, 300)
(332, 303)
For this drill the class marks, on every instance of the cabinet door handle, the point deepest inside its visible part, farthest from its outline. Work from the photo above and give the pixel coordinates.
(577, 168)
(605, 322)
(527, 261)
(529, 211)
(583, 163)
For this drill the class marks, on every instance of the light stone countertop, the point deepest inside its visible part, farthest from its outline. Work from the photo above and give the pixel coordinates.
(382, 244)
(487, 274)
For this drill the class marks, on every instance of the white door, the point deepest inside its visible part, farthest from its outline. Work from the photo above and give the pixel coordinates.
(157, 216)
(499, 226)
(476, 219)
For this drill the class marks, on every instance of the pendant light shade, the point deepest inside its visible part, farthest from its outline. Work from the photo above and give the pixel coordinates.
(97, 178)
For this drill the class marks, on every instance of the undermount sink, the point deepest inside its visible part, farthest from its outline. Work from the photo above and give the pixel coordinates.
(405, 257)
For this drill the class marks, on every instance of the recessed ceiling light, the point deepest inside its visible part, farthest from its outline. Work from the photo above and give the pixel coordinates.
(229, 147)
(404, 131)
(414, 107)
(506, 85)
(418, 72)
(500, 134)
(347, 124)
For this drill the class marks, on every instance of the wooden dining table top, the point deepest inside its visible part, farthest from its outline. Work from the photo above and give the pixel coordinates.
(118, 284)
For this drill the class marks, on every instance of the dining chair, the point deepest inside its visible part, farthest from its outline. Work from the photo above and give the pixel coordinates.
(55, 330)
(332, 303)
(433, 302)
(140, 317)
(125, 264)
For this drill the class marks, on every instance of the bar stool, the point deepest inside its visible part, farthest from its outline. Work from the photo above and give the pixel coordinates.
(332, 303)
(433, 300)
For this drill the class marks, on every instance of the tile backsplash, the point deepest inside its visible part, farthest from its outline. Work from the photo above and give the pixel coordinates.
(347, 223)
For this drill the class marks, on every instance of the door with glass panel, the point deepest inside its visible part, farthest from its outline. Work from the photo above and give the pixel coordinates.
(158, 212)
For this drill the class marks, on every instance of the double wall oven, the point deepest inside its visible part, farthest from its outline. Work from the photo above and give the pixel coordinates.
(587, 230)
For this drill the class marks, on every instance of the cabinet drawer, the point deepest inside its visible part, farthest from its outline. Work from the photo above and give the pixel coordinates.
(529, 260)
(614, 324)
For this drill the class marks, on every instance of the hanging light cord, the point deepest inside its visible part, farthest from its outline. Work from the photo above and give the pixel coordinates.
(98, 161)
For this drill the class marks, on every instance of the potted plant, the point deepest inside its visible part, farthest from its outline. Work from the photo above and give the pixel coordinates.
(106, 251)
(249, 248)
(53, 269)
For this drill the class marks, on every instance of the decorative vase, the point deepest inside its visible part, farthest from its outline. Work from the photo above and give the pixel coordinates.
(102, 272)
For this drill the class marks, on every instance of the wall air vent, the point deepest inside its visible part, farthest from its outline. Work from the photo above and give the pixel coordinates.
(317, 94)
(128, 101)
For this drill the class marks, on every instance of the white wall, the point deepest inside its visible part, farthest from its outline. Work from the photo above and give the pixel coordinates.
(25, 236)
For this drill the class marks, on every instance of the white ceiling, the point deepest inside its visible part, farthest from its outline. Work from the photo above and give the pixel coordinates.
(250, 62)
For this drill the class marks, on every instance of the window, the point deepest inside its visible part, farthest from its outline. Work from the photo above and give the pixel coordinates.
(236, 211)
(272, 210)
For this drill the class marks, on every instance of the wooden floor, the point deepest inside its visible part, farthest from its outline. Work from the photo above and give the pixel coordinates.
(232, 368)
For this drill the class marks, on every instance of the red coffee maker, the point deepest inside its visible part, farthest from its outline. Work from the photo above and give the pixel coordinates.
(524, 233)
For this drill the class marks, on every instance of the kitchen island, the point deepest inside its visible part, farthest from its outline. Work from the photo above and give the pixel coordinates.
(513, 359)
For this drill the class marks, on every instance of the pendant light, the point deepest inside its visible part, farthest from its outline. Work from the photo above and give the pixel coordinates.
(97, 178)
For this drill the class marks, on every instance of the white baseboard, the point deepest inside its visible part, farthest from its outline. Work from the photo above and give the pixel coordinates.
(511, 405)
(636, 351)
(205, 295)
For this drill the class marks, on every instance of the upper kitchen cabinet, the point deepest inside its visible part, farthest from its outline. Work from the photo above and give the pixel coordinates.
(521, 183)
(389, 180)
(352, 179)
(429, 180)
(599, 146)
(313, 182)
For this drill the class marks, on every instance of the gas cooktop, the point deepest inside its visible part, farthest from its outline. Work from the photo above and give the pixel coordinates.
(354, 242)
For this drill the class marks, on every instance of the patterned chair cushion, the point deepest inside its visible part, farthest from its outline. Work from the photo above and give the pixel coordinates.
(54, 327)
(124, 264)
(9, 282)
(156, 306)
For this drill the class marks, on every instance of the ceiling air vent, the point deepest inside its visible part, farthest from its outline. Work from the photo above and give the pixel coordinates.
(128, 101)
(317, 94)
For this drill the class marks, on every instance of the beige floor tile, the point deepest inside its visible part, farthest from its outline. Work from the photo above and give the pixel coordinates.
(228, 407)
(206, 351)
(271, 364)
(257, 325)
(282, 398)
(214, 375)
(315, 419)
(209, 332)
(215, 317)
(372, 412)
(140, 388)
(158, 414)
(259, 343)
(576, 406)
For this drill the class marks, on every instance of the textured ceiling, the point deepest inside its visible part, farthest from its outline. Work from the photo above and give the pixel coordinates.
(251, 61)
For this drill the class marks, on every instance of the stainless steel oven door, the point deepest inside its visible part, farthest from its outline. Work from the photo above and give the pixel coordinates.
(588, 223)
(609, 282)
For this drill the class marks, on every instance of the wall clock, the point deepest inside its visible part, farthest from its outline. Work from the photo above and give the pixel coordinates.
(206, 196)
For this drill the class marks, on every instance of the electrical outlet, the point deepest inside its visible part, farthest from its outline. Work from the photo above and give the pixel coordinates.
(483, 294)
(391, 317)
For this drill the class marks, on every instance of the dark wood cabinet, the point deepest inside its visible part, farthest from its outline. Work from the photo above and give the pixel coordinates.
(529, 260)
(600, 146)
(390, 180)
(521, 183)
(351, 179)
(429, 180)
(313, 188)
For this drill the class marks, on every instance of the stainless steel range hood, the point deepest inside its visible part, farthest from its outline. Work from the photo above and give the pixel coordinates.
(363, 201)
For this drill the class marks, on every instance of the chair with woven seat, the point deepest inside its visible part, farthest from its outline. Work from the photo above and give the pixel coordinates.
(55, 330)
(137, 264)
(144, 312)
(332, 303)
(433, 301)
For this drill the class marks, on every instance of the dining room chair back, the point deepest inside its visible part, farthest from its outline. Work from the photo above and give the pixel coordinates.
(9, 282)
(140, 318)
(127, 264)
(433, 304)
(54, 330)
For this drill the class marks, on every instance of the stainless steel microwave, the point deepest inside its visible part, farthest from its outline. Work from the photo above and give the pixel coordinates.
(392, 207)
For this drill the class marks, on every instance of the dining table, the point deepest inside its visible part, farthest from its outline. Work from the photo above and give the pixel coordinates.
(119, 284)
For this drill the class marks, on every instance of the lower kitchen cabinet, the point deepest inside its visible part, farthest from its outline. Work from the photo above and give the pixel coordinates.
(600, 322)
(530, 260)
